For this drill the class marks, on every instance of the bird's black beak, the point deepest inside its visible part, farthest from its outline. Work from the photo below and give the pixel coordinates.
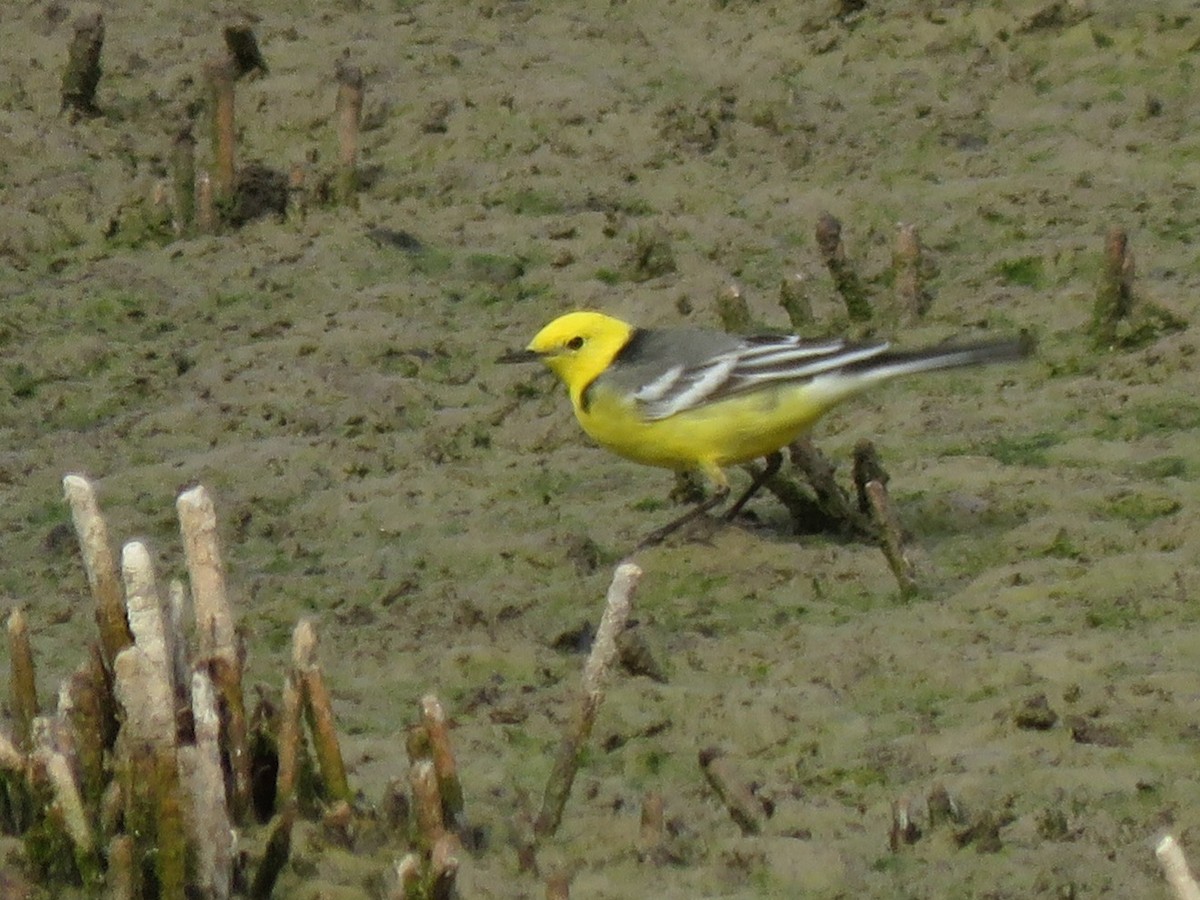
(519, 356)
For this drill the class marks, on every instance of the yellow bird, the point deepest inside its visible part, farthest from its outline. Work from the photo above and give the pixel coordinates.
(693, 399)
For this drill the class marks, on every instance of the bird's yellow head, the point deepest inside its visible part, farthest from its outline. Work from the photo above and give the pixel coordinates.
(579, 346)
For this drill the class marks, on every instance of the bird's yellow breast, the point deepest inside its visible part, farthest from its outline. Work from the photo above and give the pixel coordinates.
(731, 431)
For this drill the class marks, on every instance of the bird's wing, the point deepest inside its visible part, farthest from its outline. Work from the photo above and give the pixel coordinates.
(751, 363)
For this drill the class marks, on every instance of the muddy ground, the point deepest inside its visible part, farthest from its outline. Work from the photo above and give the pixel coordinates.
(445, 522)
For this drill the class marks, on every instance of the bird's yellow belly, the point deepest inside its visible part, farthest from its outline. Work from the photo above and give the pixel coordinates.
(732, 431)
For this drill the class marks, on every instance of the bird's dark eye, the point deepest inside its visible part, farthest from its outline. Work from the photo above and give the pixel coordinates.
(575, 343)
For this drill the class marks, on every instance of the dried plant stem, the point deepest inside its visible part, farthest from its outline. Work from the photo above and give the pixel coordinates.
(558, 886)
(17, 802)
(145, 614)
(349, 116)
(319, 708)
(203, 784)
(433, 716)
(214, 618)
(867, 467)
(408, 878)
(84, 704)
(394, 807)
(1114, 295)
(216, 639)
(12, 760)
(183, 179)
(799, 503)
(50, 852)
(82, 74)
(289, 741)
(69, 808)
(243, 49)
(604, 651)
(275, 856)
(845, 280)
(427, 803)
(524, 840)
(833, 501)
(174, 632)
(617, 605)
(226, 676)
(1175, 868)
(297, 203)
(170, 844)
(134, 763)
(908, 267)
(650, 835)
(942, 808)
(337, 824)
(22, 680)
(102, 677)
(904, 828)
(891, 538)
(159, 201)
(793, 297)
(733, 311)
(120, 878)
(206, 204)
(742, 806)
(221, 73)
(147, 701)
(443, 867)
(101, 566)
(147, 761)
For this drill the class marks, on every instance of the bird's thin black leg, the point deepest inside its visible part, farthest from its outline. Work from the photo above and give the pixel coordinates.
(657, 536)
(773, 463)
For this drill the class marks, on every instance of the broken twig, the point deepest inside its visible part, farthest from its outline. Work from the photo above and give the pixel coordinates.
(743, 808)
(604, 652)
(845, 280)
(22, 681)
(82, 74)
(100, 563)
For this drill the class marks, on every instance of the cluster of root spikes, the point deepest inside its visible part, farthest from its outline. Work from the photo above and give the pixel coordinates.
(150, 779)
(222, 194)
